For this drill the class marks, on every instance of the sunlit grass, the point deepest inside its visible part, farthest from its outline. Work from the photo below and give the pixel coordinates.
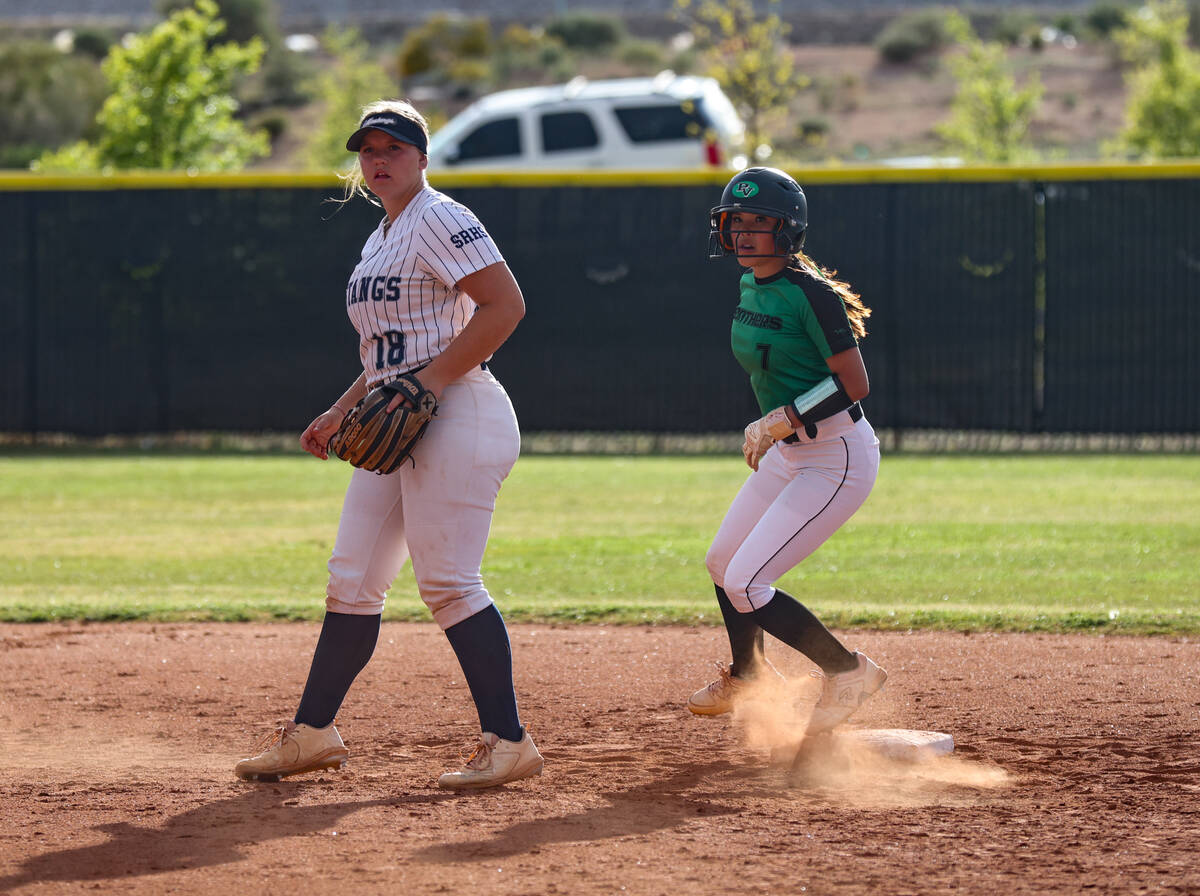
(1108, 543)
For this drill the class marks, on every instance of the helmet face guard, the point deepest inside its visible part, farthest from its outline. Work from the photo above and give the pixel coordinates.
(760, 191)
(722, 237)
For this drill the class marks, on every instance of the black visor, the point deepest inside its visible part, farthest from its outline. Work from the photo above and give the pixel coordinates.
(403, 129)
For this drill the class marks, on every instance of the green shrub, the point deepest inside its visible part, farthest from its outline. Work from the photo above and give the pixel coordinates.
(416, 54)
(274, 123)
(168, 105)
(1105, 17)
(469, 76)
(518, 38)
(990, 115)
(1164, 84)
(1066, 23)
(641, 54)
(912, 35)
(351, 78)
(528, 56)
(244, 19)
(474, 39)
(685, 61)
(19, 155)
(433, 48)
(813, 130)
(1015, 27)
(46, 99)
(93, 42)
(551, 54)
(586, 31)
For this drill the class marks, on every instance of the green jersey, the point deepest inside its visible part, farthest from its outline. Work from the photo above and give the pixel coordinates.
(783, 330)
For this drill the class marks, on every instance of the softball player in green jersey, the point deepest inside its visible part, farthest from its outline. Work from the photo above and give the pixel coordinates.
(813, 454)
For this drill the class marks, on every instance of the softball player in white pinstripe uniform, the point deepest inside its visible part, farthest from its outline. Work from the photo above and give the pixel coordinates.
(431, 294)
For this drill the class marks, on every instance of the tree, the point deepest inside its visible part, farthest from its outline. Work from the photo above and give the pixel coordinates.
(169, 104)
(47, 98)
(1163, 109)
(282, 72)
(342, 89)
(244, 19)
(989, 116)
(750, 59)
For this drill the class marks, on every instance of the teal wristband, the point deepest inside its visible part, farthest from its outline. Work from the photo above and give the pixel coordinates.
(823, 400)
(827, 388)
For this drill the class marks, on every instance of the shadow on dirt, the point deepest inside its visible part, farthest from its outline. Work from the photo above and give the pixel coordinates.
(216, 833)
(657, 805)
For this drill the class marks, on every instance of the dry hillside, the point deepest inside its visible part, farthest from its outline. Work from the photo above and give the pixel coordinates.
(873, 110)
(857, 107)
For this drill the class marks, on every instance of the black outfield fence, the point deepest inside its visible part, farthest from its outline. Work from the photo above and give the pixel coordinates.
(1035, 300)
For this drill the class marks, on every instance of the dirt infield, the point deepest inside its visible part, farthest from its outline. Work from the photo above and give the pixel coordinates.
(1076, 769)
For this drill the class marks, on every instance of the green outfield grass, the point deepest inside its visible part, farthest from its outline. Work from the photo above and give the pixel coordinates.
(1042, 543)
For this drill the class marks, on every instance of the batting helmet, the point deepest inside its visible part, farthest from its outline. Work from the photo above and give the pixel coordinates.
(763, 191)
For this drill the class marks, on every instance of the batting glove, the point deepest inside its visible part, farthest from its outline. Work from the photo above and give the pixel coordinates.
(763, 433)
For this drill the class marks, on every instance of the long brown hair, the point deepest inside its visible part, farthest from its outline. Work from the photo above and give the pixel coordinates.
(856, 311)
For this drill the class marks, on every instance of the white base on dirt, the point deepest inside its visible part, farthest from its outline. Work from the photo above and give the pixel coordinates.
(898, 743)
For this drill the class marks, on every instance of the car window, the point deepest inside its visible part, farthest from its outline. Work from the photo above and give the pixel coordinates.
(568, 130)
(649, 124)
(500, 137)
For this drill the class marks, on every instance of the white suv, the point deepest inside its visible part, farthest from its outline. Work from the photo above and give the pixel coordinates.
(669, 121)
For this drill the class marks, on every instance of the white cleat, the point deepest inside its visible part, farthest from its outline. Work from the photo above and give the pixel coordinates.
(293, 749)
(721, 695)
(843, 693)
(495, 761)
(717, 697)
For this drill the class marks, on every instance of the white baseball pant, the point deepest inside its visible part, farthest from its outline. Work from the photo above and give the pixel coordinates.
(437, 509)
(802, 493)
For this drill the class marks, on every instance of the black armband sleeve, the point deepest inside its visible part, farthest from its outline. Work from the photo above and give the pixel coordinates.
(823, 400)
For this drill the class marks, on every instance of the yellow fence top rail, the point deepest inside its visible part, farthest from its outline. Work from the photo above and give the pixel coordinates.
(826, 174)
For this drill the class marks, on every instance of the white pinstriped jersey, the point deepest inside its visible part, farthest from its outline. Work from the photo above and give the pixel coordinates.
(402, 297)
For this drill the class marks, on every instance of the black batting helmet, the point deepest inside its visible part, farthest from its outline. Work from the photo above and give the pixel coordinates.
(763, 191)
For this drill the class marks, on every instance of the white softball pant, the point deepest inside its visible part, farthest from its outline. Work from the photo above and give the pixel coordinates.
(802, 493)
(437, 509)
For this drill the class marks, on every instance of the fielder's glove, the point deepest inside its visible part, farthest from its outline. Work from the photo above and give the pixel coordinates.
(763, 433)
(372, 439)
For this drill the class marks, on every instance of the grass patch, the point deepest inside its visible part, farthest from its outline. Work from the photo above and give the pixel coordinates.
(1102, 543)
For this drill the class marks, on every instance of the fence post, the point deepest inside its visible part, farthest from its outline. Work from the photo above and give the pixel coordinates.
(1039, 307)
(31, 311)
(890, 265)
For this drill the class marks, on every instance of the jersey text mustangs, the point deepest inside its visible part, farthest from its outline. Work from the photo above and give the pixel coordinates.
(373, 289)
(403, 297)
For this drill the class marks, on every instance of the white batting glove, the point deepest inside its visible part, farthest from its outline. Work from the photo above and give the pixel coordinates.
(763, 433)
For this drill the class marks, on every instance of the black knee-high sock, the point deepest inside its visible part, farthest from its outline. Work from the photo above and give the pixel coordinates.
(481, 644)
(345, 646)
(745, 637)
(792, 623)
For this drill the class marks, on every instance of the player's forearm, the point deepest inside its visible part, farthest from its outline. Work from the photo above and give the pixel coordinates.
(353, 395)
(500, 307)
(487, 330)
(851, 370)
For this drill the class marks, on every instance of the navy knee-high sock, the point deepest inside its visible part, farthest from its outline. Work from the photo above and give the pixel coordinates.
(745, 637)
(481, 644)
(794, 624)
(345, 646)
